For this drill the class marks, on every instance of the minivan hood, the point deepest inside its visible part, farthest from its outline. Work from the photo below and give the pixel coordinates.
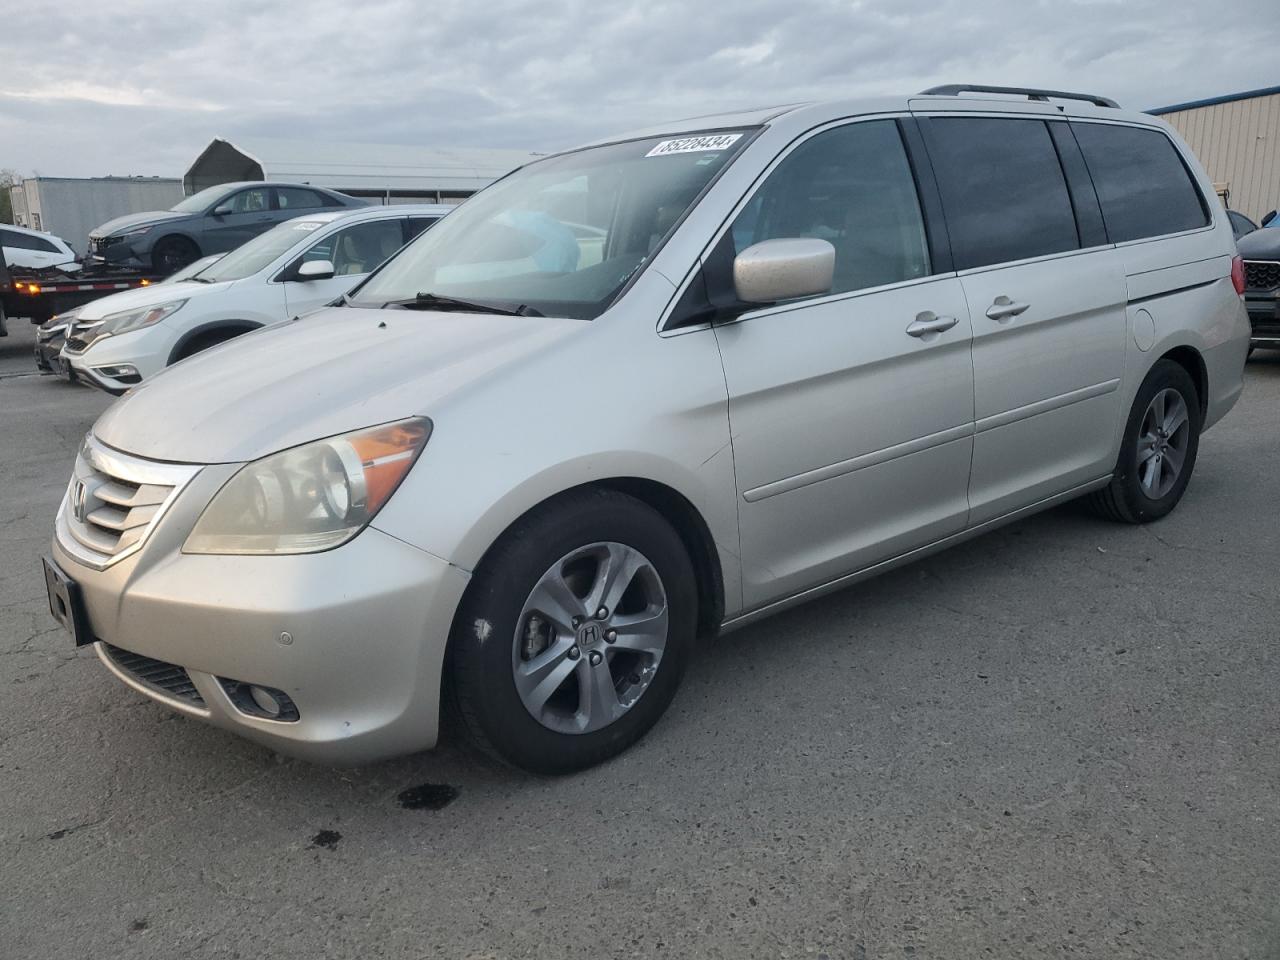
(120, 224)
(334, 371)
(149, 296)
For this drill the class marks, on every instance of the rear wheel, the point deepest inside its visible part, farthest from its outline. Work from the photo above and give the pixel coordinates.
(172, 254)
(1158, 452)
(574, 633)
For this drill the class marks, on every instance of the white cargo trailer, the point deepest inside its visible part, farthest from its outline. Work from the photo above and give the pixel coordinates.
(70, 207)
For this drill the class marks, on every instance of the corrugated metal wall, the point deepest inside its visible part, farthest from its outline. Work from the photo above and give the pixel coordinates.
(1239, 145)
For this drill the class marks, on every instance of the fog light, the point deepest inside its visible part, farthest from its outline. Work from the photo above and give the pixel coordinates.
(265, 703)
(263, 698)
(124, 372)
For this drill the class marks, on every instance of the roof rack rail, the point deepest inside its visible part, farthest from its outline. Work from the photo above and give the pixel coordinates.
(1031, 93)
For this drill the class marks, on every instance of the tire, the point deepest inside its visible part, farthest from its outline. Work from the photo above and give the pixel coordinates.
(1141, 490)
(171, 254)
(514, 649)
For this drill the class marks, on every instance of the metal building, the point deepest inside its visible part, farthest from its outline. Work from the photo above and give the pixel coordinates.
(382, 172)
(69, 207)
(1237, 138)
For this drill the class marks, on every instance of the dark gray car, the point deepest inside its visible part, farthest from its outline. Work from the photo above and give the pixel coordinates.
(214, 220)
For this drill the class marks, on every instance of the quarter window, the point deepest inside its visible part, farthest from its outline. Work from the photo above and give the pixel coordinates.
(851, 186)
(1143, 185)
(1002, 188)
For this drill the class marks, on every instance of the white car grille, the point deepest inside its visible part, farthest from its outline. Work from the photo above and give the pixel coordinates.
(113, 502)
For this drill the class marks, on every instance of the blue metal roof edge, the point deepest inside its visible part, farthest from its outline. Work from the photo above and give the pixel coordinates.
(1213, 101)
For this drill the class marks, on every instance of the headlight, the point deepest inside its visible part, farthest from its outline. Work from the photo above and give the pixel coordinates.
(137, 319)
(310, 498)
(132, 234)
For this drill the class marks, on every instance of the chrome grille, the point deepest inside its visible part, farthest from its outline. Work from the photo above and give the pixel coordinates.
(1261, 274)
(113, 502)
(81, 333)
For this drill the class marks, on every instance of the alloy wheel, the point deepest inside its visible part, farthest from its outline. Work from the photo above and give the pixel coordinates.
(589, 638)
(1163, 440)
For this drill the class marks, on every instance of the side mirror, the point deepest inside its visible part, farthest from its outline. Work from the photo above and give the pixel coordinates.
(1266, 220)
(783, 270)
(316, 270)
(222, 210)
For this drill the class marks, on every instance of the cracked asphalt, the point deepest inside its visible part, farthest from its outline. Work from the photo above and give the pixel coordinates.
(1057, 740)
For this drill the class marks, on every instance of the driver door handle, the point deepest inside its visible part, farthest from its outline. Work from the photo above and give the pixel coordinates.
(1006, 309)
(927, 323)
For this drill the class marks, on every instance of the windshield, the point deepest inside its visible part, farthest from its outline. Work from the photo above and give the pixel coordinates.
(562, 235)
(247, 260)
(198, 202)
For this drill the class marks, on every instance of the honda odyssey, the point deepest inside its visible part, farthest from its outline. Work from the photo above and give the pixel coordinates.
(654, 388)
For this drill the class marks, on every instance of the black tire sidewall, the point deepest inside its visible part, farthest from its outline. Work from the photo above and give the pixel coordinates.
(1165, 374)
(174, 243)
(484, 630)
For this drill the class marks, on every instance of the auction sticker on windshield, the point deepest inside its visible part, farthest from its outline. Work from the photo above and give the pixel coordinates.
(695, 144)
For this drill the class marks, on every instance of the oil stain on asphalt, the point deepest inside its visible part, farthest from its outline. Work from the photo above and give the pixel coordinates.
(327, 839)
(427, 796)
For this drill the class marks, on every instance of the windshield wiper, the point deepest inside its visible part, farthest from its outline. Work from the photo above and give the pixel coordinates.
(198, 279)
(432, 301)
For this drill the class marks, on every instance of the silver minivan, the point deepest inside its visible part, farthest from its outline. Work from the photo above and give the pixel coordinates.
(650, 389)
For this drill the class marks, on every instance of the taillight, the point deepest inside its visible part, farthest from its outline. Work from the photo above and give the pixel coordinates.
(1237, 275)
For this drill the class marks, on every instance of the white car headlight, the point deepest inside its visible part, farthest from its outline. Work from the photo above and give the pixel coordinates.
(311, 498)
(137, 319)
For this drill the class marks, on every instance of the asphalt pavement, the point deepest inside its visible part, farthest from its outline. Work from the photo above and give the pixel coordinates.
(1057, 740)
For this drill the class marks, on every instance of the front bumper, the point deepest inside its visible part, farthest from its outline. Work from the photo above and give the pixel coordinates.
(146, 351)
(1264, 317)
(115, 254)
(49, 360)
(354, 636)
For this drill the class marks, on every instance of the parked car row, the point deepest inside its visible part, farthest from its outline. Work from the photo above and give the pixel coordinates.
(660, 386)
(118, 341)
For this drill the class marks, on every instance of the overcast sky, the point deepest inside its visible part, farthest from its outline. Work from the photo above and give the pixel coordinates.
(140, 86)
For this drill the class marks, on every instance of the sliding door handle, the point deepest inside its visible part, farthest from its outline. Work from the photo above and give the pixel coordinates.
(1006, 309)
(929, 322)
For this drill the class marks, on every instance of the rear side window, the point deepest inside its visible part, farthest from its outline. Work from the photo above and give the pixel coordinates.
(24, 241)
(295, 198)
(416, 225)
(1144, 187)
(1002, 188)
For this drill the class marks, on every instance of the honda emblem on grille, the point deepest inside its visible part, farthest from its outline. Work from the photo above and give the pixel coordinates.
(80, 501)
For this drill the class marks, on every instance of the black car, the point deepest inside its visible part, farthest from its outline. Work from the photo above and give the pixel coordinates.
(214, 220)
(1261, 253)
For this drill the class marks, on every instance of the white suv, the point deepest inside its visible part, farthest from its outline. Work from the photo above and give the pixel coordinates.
(35, 250)
(118, 341)
(660, 386)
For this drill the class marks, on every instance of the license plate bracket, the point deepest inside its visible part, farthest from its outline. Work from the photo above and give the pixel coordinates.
(66, 603)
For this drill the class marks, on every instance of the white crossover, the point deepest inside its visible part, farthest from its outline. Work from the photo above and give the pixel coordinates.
(294, 268)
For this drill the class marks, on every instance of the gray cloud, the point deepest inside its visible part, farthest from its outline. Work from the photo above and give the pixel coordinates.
(135, 87)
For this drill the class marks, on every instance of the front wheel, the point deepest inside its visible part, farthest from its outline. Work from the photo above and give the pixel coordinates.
(1158, 451)
(172, 254)
(574, 633)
